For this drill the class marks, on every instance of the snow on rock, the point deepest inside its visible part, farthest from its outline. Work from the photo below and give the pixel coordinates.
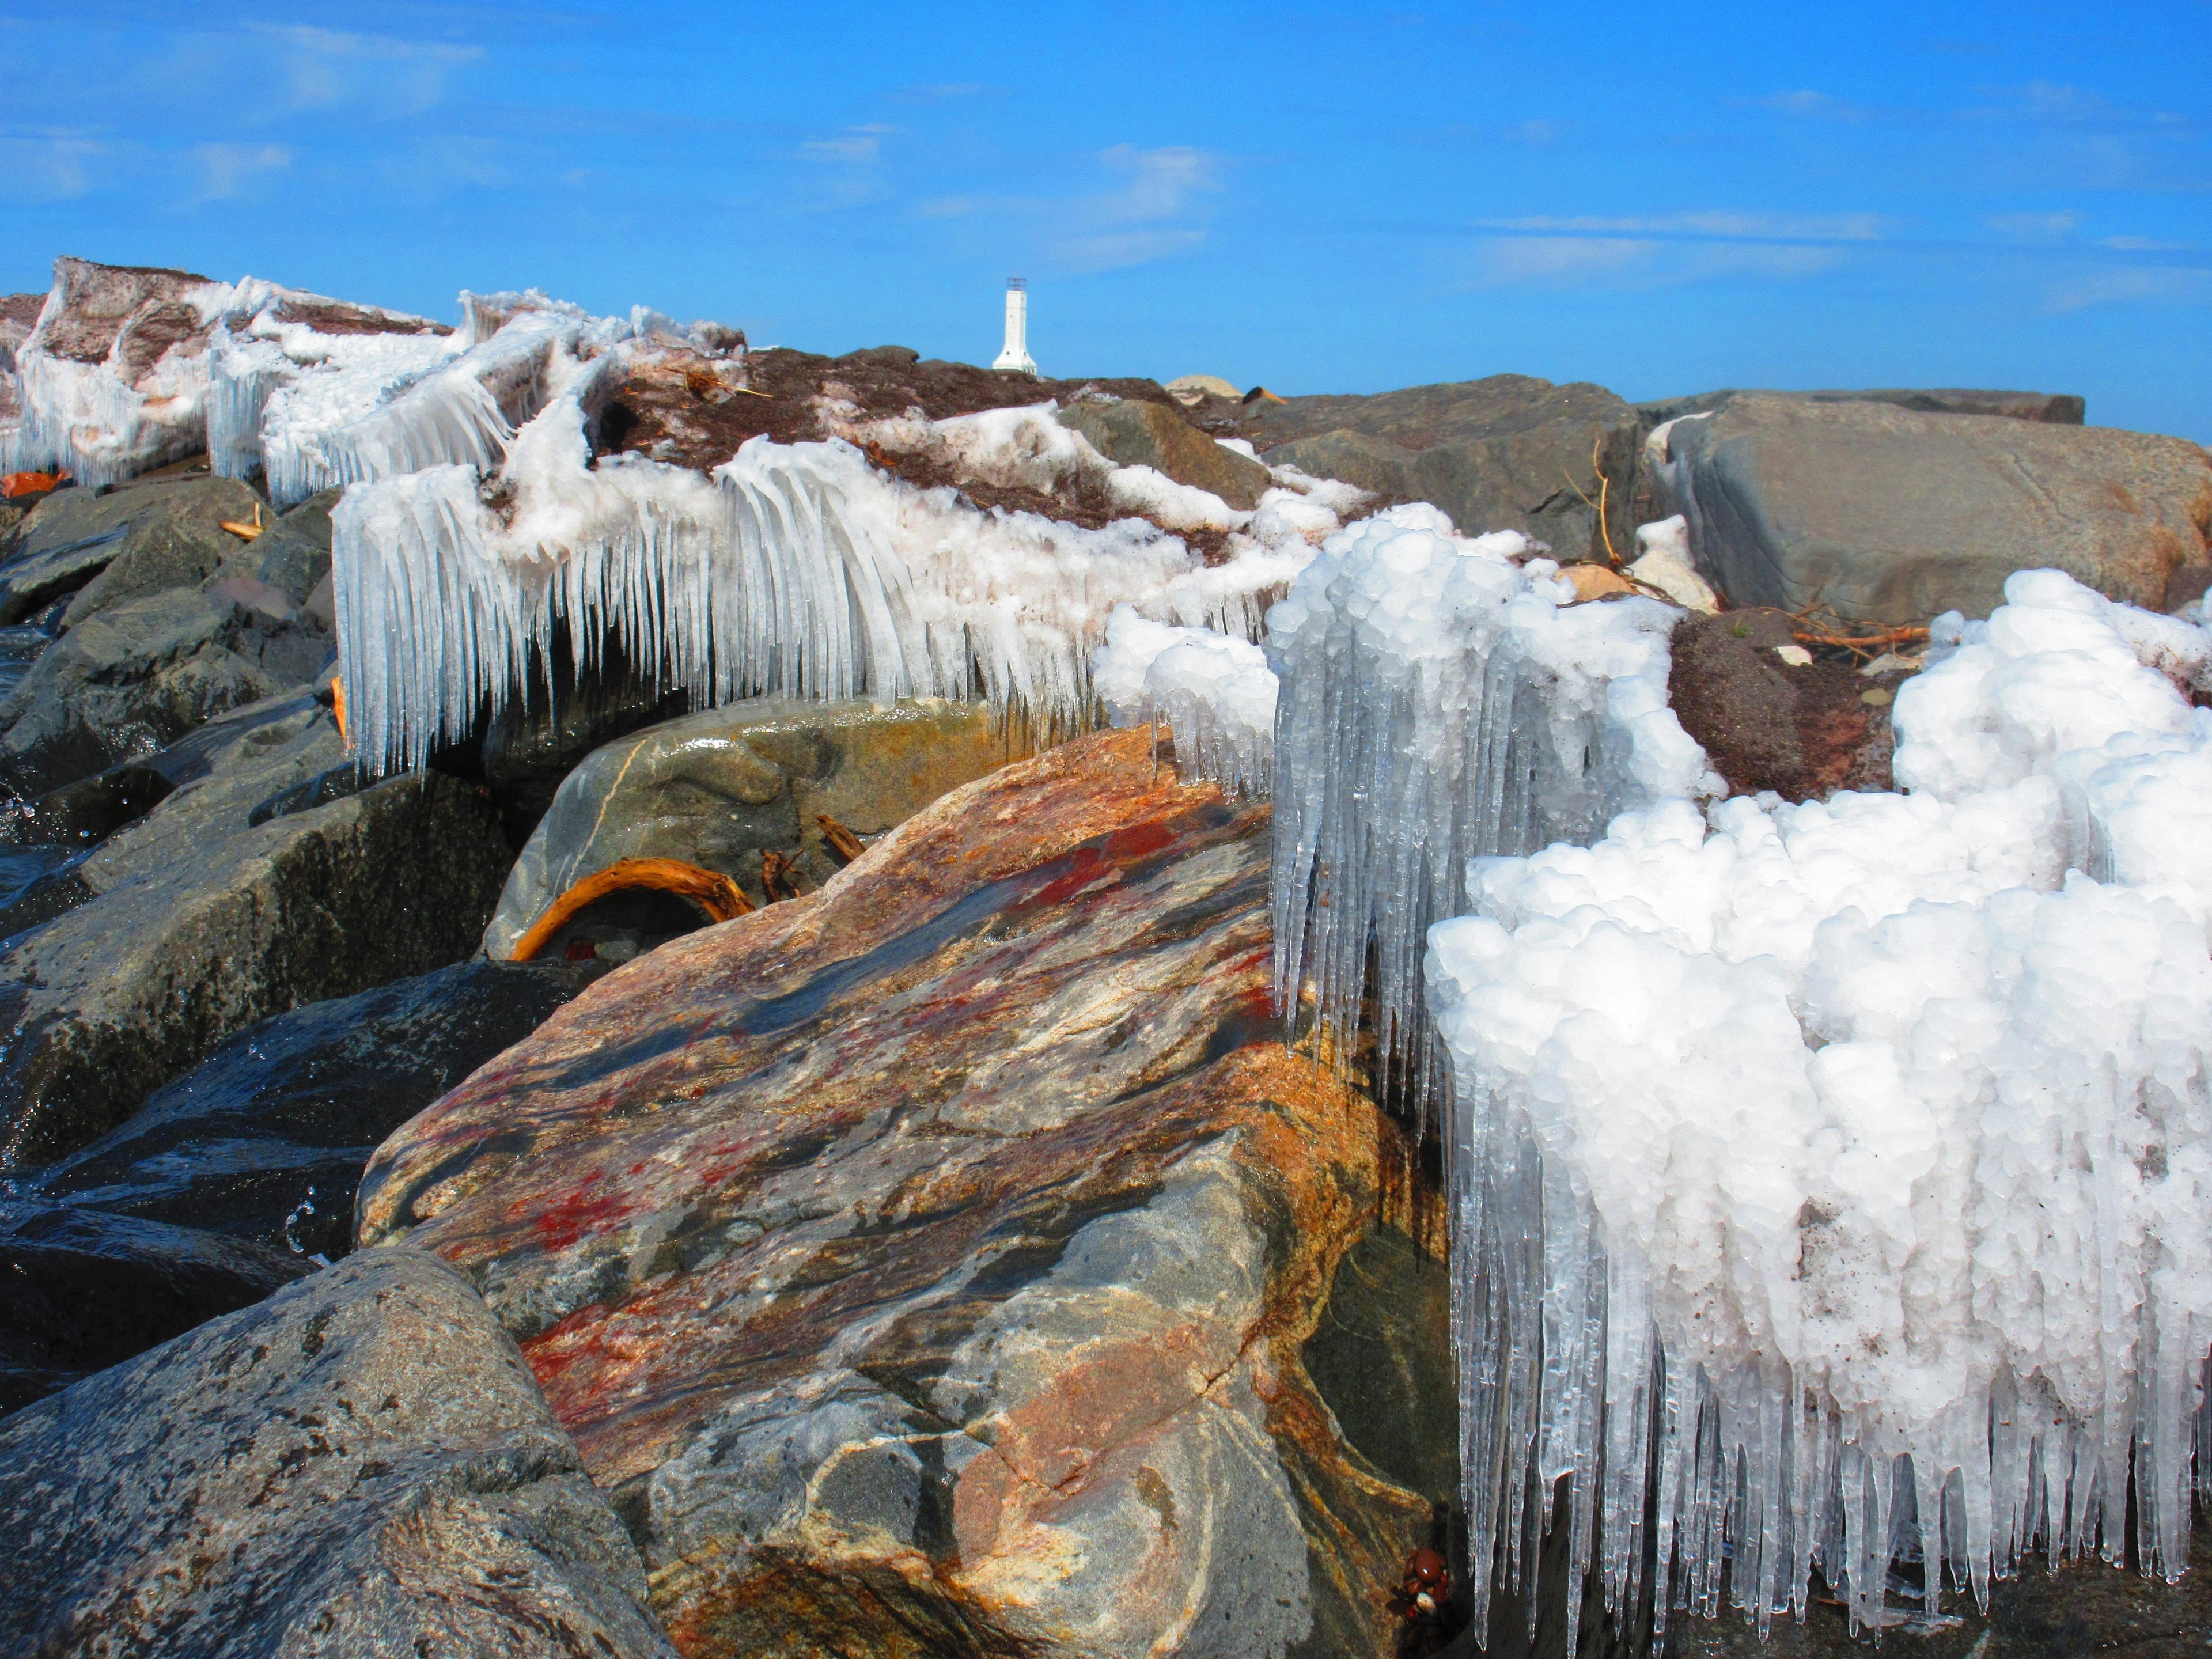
(796, 570)
(1791, 1143)
(1440, 700)
(1664, 563)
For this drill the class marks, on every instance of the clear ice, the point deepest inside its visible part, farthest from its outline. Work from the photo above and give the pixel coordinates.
(1441, 697)
(1837, 1174)
(793, 570)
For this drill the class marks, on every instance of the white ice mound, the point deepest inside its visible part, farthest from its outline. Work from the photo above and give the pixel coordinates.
(315, 409)
(1216, 694)
(1437, 701)
(797, 570)
(1793, 1143)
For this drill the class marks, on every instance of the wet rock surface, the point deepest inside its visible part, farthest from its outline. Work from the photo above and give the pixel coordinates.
(80, 1290)
(2082, 1608)
(360, 1466)
(1875, 514)
(1508, 453)
(108, 546)
(925, 1264)
(265, 1139)
(719, 787)
(208, 914)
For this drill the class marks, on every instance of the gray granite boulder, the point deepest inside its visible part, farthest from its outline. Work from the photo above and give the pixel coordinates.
(134, 677)
(123, 543)
(1508, 453)
(224, 905)
(1134, 432)
(81, 1289)
(1883, 515)
(265, 1140)
(360, 1467)
(2045, 408)
(717, 787)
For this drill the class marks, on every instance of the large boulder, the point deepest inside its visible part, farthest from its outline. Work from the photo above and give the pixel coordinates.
(1508, 453)
(1135, 432)
(265, 1138)
(927, 1264)
(1871, 515)
(717, 788)
(134, 677)
(80, 1290)
(360, 1466)
(107, 546)
(2047, 408)
(236, 898)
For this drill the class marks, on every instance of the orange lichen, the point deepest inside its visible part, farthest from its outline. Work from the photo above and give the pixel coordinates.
(721, 898)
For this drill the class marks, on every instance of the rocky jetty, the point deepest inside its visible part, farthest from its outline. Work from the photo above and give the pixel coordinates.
(895, 1212)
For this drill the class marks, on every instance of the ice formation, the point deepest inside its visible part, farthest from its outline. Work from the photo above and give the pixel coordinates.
(796, 570)
(112, 379)
(1216, 694)
(313, 410)
(1439, 700)
(1841, 1171)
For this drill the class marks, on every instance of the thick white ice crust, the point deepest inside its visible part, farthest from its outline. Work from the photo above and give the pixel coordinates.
(1216, 694)
(315, 411)
(797, 570)
(1438, 701)
(1845, 1170)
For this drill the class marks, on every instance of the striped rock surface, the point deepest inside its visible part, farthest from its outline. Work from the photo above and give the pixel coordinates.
(923, 1266)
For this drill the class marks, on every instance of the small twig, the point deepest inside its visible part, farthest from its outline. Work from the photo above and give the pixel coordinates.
(749, 392)
(842, 842)
(1598, 506)
(1883, 640)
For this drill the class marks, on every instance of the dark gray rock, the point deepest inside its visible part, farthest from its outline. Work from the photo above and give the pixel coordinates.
(1881, 515)
(1382, 1358)
(1508, 453)
(1131, 432)
(293, 557)
(717, 787)
(523, 755)
(134, 677)
(80, 1291)
(265, 1139)
(2046, 408)
(122, 544)
(360, 1466)
(201, 922)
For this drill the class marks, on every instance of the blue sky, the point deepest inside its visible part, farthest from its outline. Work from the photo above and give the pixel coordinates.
(1660, 198)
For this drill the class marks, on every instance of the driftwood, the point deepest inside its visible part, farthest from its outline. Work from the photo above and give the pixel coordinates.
(720, 897)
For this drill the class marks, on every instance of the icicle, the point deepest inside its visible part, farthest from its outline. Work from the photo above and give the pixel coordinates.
(1863, 1147)
(799, 570)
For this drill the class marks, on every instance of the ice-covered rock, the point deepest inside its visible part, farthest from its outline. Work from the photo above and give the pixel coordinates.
(1438, 701)
(1793, 1142)
(795, 570)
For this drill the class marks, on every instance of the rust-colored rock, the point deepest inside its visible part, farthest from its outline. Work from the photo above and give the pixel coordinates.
(924, 1264)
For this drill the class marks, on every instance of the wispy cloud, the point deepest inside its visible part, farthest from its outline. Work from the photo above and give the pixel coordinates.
(1157, 210)
(1666, 249)
(2132, 285)
(324, 68)
(2033, 227)
(226, 170)
(49, 163)
(854, 144)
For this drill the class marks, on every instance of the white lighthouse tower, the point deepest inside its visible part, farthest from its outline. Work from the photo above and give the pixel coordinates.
(1016, 357)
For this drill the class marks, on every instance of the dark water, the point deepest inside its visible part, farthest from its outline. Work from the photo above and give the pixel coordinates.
(22, 866)
(19, 649)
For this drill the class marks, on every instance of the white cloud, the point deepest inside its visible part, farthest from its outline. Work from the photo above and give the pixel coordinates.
(323, 68)
(1643, 252)
(1157, 211)
(2032, 227)
(854, 144)
(48, 163)
(1161, 182)
(226, 170)
(1119, 250)
(2135, 285)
